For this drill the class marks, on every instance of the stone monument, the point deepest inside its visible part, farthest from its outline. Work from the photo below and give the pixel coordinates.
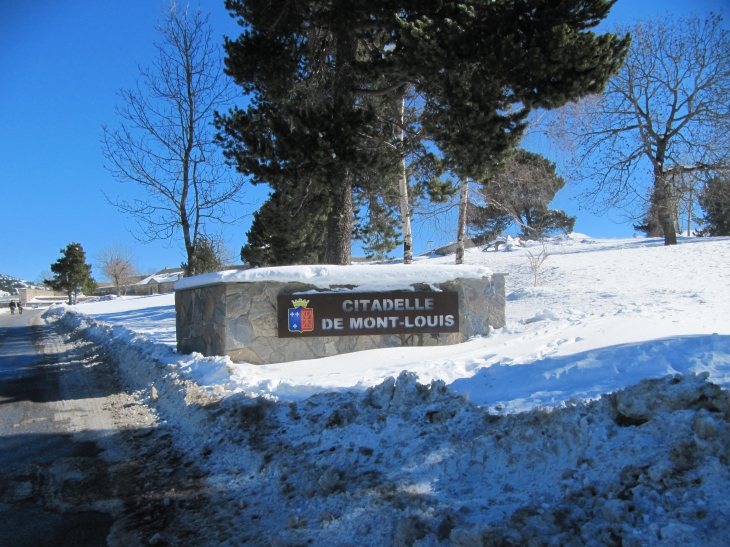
(273, 315)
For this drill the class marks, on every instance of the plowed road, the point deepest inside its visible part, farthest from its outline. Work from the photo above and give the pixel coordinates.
(80, 457)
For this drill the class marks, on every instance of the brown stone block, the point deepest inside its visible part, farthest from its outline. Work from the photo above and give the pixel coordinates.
(365, 342)
(239, 332)
(265, 325)
(295, 350)
(245, 354)
(208, 308)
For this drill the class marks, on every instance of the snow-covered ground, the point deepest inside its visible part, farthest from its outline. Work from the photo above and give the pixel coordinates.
(605, 314)
(502, 440)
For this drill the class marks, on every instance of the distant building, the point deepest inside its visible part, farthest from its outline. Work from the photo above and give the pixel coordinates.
(105, 288)
(41, 297)
(159, 283)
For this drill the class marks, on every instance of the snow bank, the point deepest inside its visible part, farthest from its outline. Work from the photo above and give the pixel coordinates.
(530, 292)
(592, 425)
(153, 316)
(55, 310)
(365, 277)
(410, 464)
(607, 314)
(147, 353)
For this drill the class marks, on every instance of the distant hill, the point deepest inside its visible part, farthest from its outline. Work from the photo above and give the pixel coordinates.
(9, 283)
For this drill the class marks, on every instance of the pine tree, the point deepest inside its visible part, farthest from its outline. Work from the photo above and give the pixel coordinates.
(325, 75)
(89, 286)
(206, 258)
(71, 273)
(488, 64)
(544, 222)
(487, 222)
(650, 224)
(211, 255)
(715, 201)
(312, 128)
(521, 195)
(379, 230)
(287, 230)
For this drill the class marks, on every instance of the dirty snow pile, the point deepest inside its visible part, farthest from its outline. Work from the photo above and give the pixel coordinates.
(597, 416)
(410, 464)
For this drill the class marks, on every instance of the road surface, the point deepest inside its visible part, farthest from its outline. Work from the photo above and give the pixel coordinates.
(82, 461)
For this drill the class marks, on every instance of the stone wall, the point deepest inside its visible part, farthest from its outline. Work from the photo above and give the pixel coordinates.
(240, 320)
(48, 296)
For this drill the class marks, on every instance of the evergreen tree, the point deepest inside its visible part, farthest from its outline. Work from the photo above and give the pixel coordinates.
(521, 195)
(312, 128)
(650, 224)
(379, 232)
(715, 201)
(71, 273)
(291, 226)
(212, 255)
(488, 64)
(89, 286)
(206, 258)
(324, 78)
(544, 222)
(487, 222)
(287, 229)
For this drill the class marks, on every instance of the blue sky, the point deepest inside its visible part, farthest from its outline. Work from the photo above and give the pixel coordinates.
(61, 66)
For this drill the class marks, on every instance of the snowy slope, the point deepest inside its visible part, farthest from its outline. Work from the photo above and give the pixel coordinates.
(605, 314)
(9, 283)
(590, 419)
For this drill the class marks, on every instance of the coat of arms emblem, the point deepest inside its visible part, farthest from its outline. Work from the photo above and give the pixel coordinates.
(301, 318)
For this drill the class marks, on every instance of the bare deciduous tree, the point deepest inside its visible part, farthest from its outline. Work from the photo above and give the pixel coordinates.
(667, 112)
(536, 261)
(405, 210)
(117, 263)
(461, 222)
(165, 143)
(44, 277)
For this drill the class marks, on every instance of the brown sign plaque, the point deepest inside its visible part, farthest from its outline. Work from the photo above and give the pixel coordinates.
(353, 314)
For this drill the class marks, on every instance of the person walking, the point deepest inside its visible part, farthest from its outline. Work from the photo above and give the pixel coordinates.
(20, 307)
(12, 307)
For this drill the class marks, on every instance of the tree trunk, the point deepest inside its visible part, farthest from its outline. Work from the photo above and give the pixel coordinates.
(339, 225)
(338, 248)
(405, 210)
(689, 209)
(461, 227)
(660, 199)
(192, 262)
(190, 241)
(190, 244)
